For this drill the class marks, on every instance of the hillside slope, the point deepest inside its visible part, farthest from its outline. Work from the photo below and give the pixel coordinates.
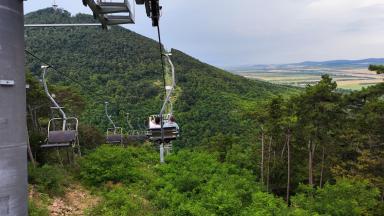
(124, 68)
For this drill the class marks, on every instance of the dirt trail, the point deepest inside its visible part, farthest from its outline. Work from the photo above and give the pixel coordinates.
(75, 202)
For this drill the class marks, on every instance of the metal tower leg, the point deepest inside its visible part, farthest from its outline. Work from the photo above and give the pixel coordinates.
(161, 153)
(13, 137)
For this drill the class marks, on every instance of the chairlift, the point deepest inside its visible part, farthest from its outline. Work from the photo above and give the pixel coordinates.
(112, 12)
(132, 134)
(114, 135)
(166, 130)
(67, 136)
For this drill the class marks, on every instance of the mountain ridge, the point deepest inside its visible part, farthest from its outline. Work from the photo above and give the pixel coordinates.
(329, 63)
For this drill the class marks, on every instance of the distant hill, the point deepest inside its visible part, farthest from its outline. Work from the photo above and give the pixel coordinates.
(344, 63)
(363, 63)
(123, 67)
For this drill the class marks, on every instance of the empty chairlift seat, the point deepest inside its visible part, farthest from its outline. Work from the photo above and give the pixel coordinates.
(114, 139)
(60, 139)
(114, 135)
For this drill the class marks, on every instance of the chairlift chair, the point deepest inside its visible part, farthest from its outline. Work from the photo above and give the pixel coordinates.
(114, 135)
(160, 133)
(67, 136)
(111, 12)
(155, 133)
(132, 134)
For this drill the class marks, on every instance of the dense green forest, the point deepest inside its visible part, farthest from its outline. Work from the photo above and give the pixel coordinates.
(124, 68)
(246, 148)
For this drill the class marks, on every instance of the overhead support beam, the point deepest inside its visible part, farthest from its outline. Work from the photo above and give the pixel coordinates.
(62, 25)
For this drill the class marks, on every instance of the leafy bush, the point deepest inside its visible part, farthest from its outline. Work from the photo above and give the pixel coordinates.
(193, 183)
(35, 210)
(117, 165)
(346, 197)
(122, 201)
(48, 179)
(266, 204)
(90, 137)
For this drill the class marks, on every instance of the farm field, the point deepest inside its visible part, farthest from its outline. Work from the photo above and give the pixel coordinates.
(352, 78)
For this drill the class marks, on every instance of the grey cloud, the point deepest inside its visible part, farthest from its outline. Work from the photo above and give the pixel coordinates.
(223, 32)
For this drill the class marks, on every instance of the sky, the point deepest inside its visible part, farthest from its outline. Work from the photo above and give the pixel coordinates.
(245, 32)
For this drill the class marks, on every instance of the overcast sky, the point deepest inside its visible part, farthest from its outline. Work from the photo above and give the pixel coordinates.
(242, 32)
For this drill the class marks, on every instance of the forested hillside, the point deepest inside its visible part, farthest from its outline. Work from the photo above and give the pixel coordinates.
(124, 68)
(246, 148)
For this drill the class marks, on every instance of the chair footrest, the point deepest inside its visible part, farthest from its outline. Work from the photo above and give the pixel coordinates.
(114, 8)
(58, 145)
(117, 20)
(113, 4)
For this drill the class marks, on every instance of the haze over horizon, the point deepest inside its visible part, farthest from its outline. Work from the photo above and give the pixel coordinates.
(225, 34)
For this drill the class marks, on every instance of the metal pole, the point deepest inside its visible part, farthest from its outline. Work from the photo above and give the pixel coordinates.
(13, 135)
(109, 117)
(162, 153)
(169, 93)
(57, 106)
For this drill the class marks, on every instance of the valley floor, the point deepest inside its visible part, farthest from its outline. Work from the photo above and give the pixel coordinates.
(346, 78)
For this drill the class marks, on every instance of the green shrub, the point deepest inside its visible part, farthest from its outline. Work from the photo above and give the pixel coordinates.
(117, 165)
(266, 204)
(346, 197)
(193, 183)
(48, 179)
(34, 210)
(122, 201)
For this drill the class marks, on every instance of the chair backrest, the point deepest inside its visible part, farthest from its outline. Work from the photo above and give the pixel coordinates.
(136, 138)
(57, 137)
(114, 138)
(170, 133)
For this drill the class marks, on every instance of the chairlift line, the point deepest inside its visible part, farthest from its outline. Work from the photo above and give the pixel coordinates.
(114, 12)
(14, 176)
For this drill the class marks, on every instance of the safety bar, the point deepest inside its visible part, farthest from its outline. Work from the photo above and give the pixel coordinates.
(108, 116)
(68, 119)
